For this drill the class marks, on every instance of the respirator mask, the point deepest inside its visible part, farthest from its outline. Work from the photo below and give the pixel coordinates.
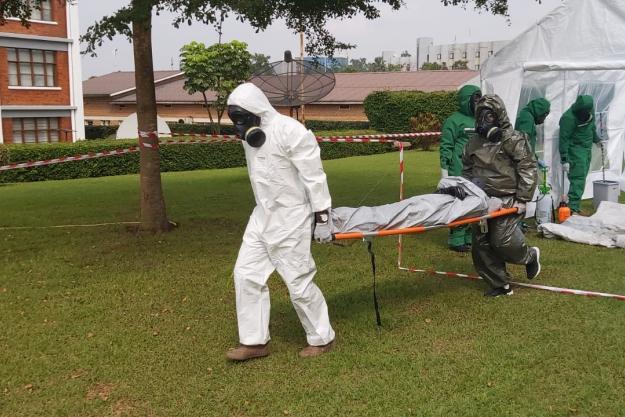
(487, 126)
(246, 125)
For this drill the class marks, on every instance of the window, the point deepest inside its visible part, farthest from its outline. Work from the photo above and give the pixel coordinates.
(451, 55)
(477, 67)
(464, 55)
(438, 56)
(31, 67)
(490, 53)
(35, 130)
(477, 54)
(344, 106)
(45, 13)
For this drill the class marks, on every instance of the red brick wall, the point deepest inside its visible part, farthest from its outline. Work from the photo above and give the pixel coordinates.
(36, 97)
(65, 123)
(7, 130)
(42, 29)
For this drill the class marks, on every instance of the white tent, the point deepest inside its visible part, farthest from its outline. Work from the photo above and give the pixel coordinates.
(578, 48)
(129, 127)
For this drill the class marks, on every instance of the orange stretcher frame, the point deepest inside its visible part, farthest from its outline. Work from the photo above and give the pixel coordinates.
(423, 229)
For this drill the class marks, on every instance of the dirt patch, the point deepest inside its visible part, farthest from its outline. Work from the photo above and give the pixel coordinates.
(101, 391)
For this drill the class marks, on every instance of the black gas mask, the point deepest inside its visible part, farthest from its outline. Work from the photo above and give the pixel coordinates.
(583, 116)
(246, 124)
(475, 97)
(487, 125)
(541, 119)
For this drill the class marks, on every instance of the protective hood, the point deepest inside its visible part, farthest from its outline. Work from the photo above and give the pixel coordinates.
(252, 99)
(464, 99)
(538, 107)
(495, 103)
(583, 103)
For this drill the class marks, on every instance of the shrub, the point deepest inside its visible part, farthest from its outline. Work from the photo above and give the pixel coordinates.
(4, 155)
(99, 132)
(199, 128)
(315, 125)
(390, 111)
(425, 122)
(173, 158)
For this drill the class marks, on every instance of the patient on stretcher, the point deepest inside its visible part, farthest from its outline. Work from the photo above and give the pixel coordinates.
(456, 198)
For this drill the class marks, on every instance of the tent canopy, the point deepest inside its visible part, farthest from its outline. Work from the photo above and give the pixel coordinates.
(578, 48)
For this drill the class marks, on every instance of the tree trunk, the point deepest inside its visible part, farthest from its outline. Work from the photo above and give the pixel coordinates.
(153, 215)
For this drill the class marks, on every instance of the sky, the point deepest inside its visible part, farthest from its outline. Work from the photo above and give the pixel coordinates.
(394, 30)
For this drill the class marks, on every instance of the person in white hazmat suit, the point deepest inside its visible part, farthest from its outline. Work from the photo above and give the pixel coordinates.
(291, 191)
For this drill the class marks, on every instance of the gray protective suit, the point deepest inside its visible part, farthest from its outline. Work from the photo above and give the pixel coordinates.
(508, 170)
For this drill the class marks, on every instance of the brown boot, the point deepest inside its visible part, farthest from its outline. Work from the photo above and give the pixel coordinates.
(245, 352)
(312, 351)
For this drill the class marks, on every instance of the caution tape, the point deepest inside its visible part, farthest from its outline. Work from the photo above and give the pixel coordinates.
(558, 290)
(150, 140)
(91, 155)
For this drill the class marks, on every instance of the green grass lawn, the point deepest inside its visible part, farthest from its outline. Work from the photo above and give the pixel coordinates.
(103, 322)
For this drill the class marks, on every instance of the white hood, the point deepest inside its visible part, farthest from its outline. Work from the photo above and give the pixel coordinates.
(252, 99)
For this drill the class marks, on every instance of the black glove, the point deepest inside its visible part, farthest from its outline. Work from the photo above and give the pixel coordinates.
(457, 192)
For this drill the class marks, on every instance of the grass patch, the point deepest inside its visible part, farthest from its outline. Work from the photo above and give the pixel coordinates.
(102, 322)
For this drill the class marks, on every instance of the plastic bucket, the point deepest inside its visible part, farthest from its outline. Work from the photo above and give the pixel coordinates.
(605, 191)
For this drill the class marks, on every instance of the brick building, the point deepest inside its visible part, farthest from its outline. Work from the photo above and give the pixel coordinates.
(40, 76)
(111, 97)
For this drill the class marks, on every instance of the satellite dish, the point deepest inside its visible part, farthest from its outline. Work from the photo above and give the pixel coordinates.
(129, 127)
(294, 82)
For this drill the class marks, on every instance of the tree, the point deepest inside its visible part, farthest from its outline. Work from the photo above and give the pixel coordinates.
(135, 22)
(218, 68)
(259, 62)
(431, 66)
(460, 65)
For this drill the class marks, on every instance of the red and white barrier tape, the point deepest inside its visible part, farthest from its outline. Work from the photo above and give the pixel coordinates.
(147, 140)
(381, 138)
(91, 155)
(520, 284)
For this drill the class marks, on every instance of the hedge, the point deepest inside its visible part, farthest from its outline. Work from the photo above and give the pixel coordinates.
(315, 125)
(173, 158)
(99, 132)
(390, 111)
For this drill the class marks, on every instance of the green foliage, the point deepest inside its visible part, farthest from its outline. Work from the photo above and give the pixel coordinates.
(218, 68)
(460, 65)
(4, 155)
(431, 66)
(361, 65)
(316, 125)
(390, 111)
(99, 132)
(199, 128)
(425, 122)
(173, 158)
(259, 63)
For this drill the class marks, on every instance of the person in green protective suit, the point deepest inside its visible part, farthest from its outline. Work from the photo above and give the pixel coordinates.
(499, 160)
(530, 116)
(577, 134)
(453, 139)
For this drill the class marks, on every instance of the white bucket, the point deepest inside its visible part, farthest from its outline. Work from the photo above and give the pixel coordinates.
(605, 191)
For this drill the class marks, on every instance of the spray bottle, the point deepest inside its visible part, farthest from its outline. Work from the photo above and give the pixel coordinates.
(544, 203)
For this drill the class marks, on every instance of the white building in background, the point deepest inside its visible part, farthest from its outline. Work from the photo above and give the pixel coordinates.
(475, 53)
(390, 57)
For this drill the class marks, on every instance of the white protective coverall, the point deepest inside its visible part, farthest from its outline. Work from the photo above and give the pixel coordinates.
(289, 185)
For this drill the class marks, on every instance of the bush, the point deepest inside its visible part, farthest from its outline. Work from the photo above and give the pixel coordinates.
(206, 129)
(390, 111)
(99, 132)
(425, 122)
(4, 155)
(173, 158)
(315, 125)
